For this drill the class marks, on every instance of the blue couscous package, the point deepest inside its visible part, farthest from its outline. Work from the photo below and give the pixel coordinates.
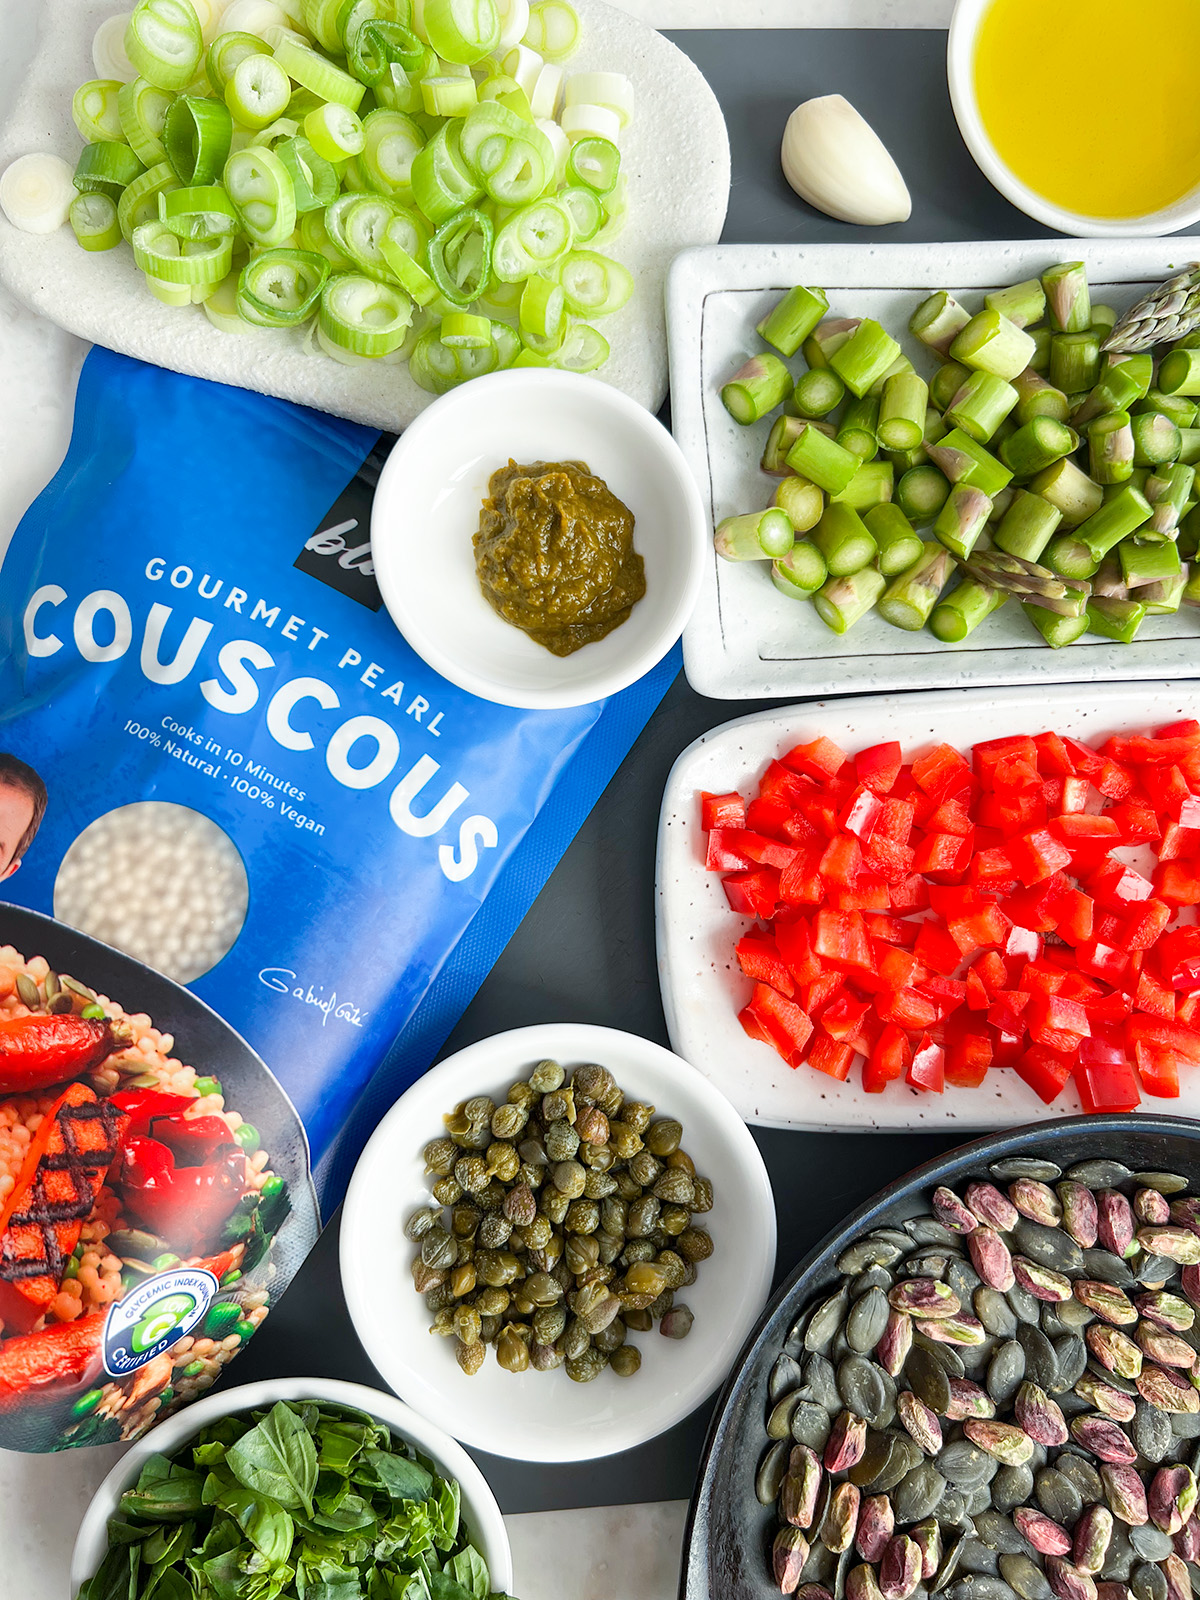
(243, 830)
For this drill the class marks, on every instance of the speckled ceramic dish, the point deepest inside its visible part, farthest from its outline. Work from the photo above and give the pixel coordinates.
(729, 1532)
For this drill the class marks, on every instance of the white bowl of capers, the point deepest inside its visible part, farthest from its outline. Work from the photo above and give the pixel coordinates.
(585, 1219)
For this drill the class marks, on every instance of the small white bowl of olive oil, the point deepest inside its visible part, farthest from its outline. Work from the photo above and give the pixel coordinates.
(1080, 111)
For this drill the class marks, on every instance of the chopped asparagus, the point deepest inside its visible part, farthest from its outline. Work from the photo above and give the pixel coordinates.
(1178, 407)
(1145, 562)
(1038, 444)
(938, 321)
(921, 493)
(1179, 372)
(908, 600)
(1070, 490)
(858, 432)
(867, 355)
(801, 501)
(1068, 557)
(755, 535)
(902, 411)
(1068, 298)
(964, 461)
(827, 337)
(1027, 526)
(1168, 491)
(1057, 631)
(1110, 448)
(1037, 398)
(783, 435)
(981, 405)
(1074, 361)
(822, 459)
(897, 543)
(818, 392)
(871, 485)
(793, 319)
(946, 382)
(1115, 619)
(991, 343)
(962, 519)
(841, 602)
(963, 609)
(1115, 520)
(843, 539)
(1156, 439)
(1022, 303)
(756, 388)
(801, 572)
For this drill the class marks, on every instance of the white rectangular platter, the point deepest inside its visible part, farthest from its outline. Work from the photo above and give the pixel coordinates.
(745, 641)
(702, 987)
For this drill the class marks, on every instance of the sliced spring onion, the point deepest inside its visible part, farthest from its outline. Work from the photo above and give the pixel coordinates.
(448, 97)
(500, 297)
(171, 294)
(461, 331)
(553, 29)
(253, 16)
(560, 148)
(258, 184)
(449, 69)
(376, 45)
(312, 71)
(208, 15)
(408, 271)
(543, 309)
(439, 367)
(276, 36)
(96, 110)
(583, 349)
(408, 229)
(278, 133)
(514, 21)
(485, 134)
(106, 168)
(109, 56)
(610, 89)
(400, 91)
(334, 131)
(616, 210)
(258, 91)
(281, 287)
(364, 316)
(442, 183)
(314, 235)
(188, 261)
(143, 114)
(139, 203)
(507, 342)
(164, 43)
(508, 93)
(93, 219)
(197, 136)
(460, 257)
(321, 20)
(347, 358)
(537, 237)
(594, 285)
(462, 30)
(590, 122)
(221, 307)
(197, 213)
(314, 180)
(361, 227)
(587, 214)
(547, 86)
(522, 65)
(227, 52)
(393, 141)
(595, 163)
(418, 20)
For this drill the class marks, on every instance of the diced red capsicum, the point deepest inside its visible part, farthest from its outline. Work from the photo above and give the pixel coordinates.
(38, 1051)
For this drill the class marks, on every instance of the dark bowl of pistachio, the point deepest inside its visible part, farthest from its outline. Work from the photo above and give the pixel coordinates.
(985, 1384)
(557, 1241)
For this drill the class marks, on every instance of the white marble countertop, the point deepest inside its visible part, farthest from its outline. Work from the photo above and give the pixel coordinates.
(613, 1553)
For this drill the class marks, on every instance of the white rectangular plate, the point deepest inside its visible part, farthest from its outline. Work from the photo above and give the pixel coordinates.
(745, 641)
(702, 987)
(675, 154)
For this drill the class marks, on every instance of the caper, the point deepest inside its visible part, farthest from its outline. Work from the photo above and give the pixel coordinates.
(624, 1140)
(494, 1231)
(538, 1233)
(553, 1204)
(575, 1339)
(626, 1187)
(443, 1324)
(523, 1095)
(689, 1275)
(470, 1357)
(643, 1216)
(548, 1323)
(646, 1278)
(626, 1360)
(677, 1323)
(663, 1136)
(509, 1120)
(694, 1244)
(426, 1277)
(440, 1155)
(492, 1301)
(610, 1244)
(447, 1191)
(544, 1357)
(419, 1224)
(439, 1297)
(674, 1220)
(558, 1106)
(471, 1173)
(489, 1327)
(464, 1219)
(549, 1256)
(645, 1168)
(478, 1110)
(519, 1205)
(614, 1214)
(599, 1185)
(703, 1197)
(532, 1153)
(637, 1321)
(561, 1141)
(587, 1366)
(546, 1077)
(660, 1306)
(438, 1248)
(674, 1268)
(636, 1115)
(593, 1082)
(568, 1177)
(462, 1279)
(465, 1321)
(595, 1305)
(610, 1338)
(637, 1250)
(497, 1268)
(675, 1187)
(581, 1253)
(531, 1174)
(491, 1198)
(591, 1125)
(583, 1216)
(540, 1289)
(503, 1162)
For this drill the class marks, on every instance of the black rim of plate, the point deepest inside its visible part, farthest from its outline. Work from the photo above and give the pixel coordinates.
(724, 1553)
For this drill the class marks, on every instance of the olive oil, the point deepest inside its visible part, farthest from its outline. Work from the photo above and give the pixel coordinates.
(1091, 103)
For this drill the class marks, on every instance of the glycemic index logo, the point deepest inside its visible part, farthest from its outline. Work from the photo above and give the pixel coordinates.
(153, 1316)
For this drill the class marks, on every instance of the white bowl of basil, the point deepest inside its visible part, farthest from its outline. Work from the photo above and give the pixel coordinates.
(310, 1484)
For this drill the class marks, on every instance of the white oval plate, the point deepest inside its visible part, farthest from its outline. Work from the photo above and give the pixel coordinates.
(702, 986)
(675, 153)
(543, 1416)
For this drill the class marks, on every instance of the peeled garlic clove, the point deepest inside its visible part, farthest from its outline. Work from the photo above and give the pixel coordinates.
(834, 159)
